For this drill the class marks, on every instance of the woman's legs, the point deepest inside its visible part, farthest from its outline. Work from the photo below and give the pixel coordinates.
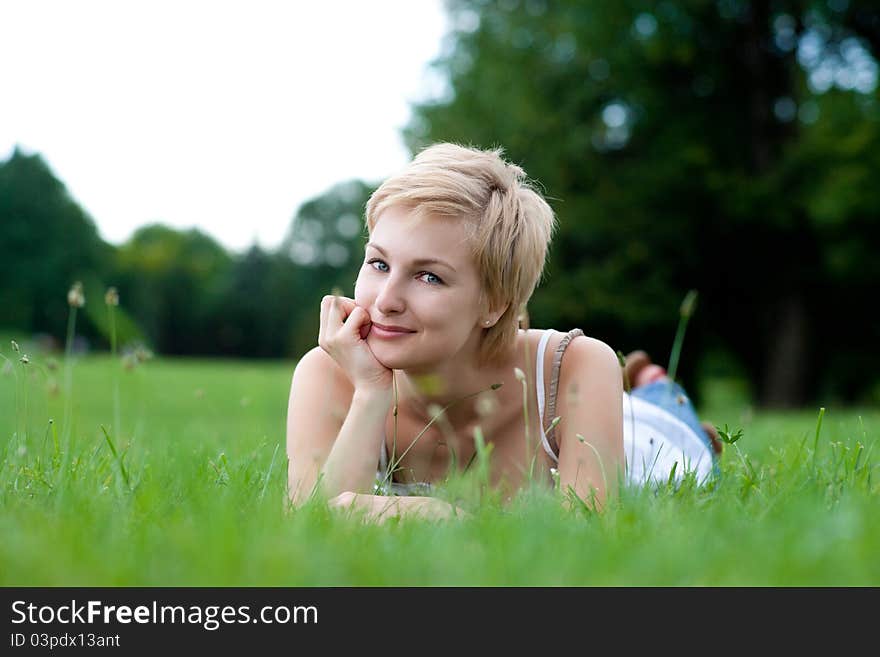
(651, 382)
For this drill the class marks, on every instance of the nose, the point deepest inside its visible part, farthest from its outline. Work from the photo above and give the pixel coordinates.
(390, 300)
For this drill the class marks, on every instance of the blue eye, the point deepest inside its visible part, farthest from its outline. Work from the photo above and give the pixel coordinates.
(439, 280)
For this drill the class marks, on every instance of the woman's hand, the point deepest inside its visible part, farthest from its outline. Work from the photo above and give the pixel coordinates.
(343, 335)
(379, 508)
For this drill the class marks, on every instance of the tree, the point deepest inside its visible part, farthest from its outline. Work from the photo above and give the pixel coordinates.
(722, 146)
(47, 242)
(326, 242)
(171, 279)
(251, 317)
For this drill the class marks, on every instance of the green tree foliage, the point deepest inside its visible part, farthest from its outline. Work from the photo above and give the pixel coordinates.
(252, 316)
(47, 243)
(326, 242)
(726, 146)
(172, 280)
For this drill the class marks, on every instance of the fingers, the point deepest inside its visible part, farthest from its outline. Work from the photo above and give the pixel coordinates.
(323, 330)
(335, 311)
(343, 500)
(358, 323)
(345, 306)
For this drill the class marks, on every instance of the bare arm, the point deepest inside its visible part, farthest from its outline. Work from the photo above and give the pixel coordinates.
(333, 436)
(352, 462)
(590, 431)
(378, 508)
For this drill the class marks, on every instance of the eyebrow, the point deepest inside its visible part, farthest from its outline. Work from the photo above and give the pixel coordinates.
(417, 263)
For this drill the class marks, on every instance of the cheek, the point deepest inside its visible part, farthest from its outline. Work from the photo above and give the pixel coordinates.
(361, 291)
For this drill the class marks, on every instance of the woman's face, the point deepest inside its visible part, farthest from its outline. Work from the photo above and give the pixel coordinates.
(419, 274)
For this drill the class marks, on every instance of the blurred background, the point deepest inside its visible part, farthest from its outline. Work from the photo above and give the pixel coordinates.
(212, 163)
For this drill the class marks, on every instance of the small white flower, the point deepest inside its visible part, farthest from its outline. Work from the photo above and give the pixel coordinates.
(142, 354)
(75, 296)
(520, 376)
(24, 359)
(486, 405)
(111, 297)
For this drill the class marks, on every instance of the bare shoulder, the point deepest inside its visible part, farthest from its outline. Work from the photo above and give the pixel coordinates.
(318, 371)
(593, 348)
(588, 358)
(591, 426)
(319, 402)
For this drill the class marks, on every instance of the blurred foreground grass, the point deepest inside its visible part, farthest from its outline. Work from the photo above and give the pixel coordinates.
(199, 499)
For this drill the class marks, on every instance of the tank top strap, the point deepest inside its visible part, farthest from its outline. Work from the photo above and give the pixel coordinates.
(554, 384)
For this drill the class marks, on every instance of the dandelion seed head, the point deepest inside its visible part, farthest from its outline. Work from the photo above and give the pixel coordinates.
(435, 410)
(111, 297)
(142, 354)
(75, 296)
(689, 304)
(520, 375)
(486, 405)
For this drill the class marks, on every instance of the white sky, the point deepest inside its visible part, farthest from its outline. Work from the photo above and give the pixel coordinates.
(221, 115)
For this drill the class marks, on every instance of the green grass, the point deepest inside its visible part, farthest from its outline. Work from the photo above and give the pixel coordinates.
(194, 496)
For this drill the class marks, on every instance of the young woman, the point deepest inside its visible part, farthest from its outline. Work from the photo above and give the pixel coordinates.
(457, 244)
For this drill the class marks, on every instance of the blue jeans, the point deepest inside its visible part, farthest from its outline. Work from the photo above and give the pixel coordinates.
(672, 398)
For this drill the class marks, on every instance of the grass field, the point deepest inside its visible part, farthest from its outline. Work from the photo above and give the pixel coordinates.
(193, 496)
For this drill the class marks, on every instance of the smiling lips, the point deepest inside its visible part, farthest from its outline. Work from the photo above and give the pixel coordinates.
(390, 331)
(389, 327)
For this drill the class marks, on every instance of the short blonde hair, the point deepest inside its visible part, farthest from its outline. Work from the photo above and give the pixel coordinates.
(508, 223)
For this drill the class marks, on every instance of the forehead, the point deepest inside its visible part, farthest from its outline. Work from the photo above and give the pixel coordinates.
(418, 235)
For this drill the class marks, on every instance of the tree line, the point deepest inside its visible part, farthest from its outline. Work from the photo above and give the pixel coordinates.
(731, 147)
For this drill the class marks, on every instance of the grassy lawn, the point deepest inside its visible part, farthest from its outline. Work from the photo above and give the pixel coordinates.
(194, 496)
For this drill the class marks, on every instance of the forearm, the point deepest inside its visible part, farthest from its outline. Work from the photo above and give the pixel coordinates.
(352, 461)
(378, 508)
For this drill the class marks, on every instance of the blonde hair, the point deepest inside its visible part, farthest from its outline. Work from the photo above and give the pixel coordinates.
(508, 224)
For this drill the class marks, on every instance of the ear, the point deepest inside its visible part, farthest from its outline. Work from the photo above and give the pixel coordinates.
(491, 318)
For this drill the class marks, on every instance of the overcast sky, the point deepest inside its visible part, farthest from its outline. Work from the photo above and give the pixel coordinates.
(220, 115)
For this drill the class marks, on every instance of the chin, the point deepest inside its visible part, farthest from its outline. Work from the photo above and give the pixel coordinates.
(397, 358)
